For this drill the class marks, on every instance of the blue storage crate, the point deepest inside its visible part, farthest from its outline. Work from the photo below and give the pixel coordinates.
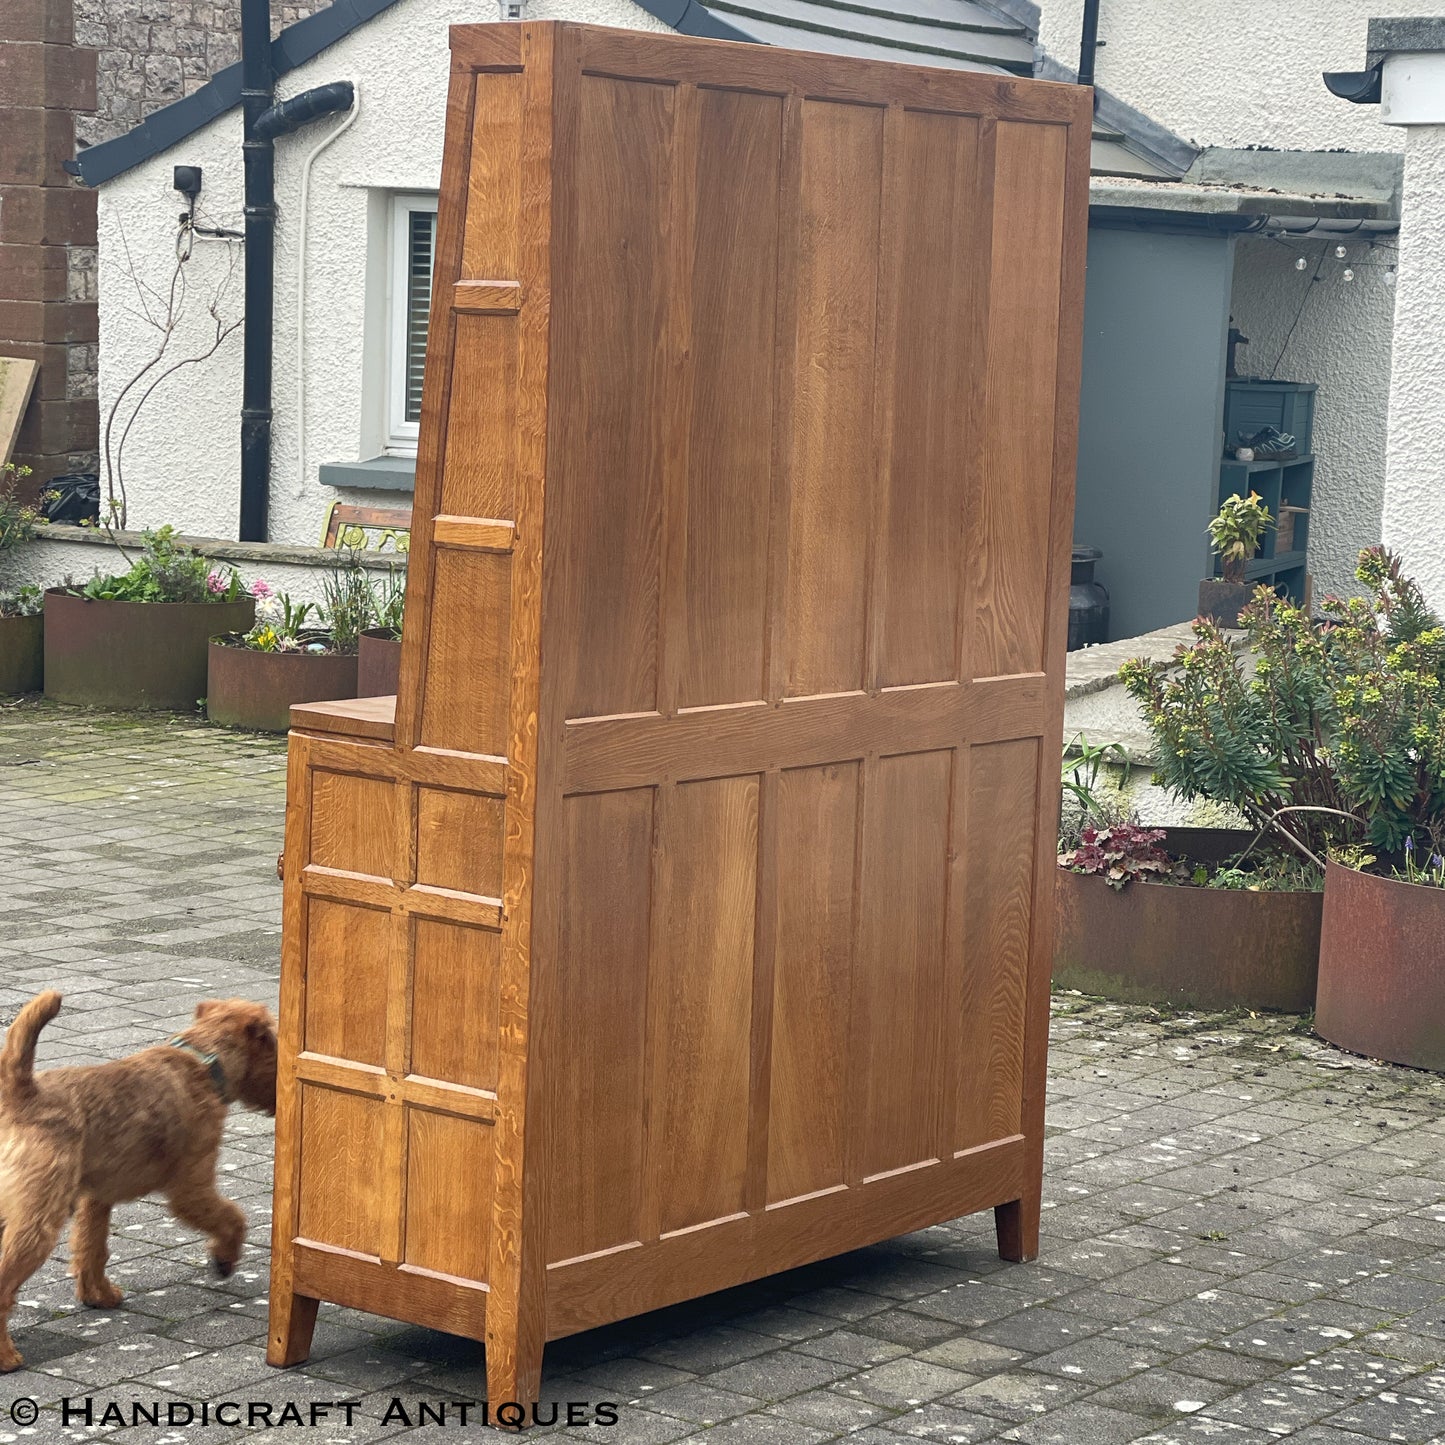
(1287, 405)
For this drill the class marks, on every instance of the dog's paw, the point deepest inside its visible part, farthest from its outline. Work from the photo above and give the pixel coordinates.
(10, 1359)
(103, 1296)
(223, 1268)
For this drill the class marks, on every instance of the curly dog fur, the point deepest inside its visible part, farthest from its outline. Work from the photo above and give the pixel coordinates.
(75, 1142)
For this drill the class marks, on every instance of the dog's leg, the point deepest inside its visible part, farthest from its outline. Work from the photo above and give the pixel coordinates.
(194, 1201)
(89, 1250)
(33, 1222)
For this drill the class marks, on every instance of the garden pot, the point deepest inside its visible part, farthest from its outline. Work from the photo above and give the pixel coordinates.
(378, 663)
(1380, 988)
(22, 654)
(1221, 601)
(1201, 948)
(140, 655)
(255, 690)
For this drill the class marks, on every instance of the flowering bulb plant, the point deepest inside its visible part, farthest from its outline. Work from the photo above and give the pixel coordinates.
(1423, 865)
(167, 570)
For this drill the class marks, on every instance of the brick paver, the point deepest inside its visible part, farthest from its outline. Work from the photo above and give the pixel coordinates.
(1244, 1237)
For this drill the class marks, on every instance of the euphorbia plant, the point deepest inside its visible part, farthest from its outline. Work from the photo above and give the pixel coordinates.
(1237, 532)
(1337, 734)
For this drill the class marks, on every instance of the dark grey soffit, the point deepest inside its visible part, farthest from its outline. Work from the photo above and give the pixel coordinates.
(295, 45)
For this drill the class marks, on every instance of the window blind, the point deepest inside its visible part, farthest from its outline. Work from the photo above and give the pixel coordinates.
(421, 238)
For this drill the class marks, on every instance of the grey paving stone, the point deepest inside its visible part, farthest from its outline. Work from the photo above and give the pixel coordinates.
(1082, 1423)
(1211, 1182)
(778, 1374)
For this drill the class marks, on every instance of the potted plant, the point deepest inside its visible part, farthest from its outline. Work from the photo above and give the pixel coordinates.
(1240, 924)
(22, 647)
(138, 639)
(1188, 917)
(379, 660)
(295, 653)
(20, 618)
(1236, 534)
(1380, 986)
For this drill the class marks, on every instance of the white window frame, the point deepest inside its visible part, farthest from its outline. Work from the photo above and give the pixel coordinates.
(401, 435)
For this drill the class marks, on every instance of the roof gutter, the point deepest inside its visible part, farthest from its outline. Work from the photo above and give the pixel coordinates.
(263, 120)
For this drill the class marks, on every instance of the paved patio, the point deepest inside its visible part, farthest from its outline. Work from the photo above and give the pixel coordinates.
(1244, 1231)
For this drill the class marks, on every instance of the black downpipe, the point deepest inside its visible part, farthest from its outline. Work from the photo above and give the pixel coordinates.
(258, 89)
(1088, 42)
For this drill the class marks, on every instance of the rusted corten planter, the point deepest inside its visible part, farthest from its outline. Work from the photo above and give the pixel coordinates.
(378, 663)
(133, 655)
(1381, 953)
(256, 690)
(22, 654)
(1207, 948)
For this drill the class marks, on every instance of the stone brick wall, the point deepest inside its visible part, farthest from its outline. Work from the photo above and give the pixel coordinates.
(47, 306)
(151, 52)
(77, 72)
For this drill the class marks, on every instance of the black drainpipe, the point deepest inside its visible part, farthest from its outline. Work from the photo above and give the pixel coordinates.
(263, 122)
(1088, 42)
(258, 90)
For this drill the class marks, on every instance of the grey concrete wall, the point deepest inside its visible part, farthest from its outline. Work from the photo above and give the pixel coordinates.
(1156, 315)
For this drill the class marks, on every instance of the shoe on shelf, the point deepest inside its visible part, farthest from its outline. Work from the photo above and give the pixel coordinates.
(1270, 444)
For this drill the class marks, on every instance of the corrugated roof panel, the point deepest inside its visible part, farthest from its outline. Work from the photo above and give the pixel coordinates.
(806, 23)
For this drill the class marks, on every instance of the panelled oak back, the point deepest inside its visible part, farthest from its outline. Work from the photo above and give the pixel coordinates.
(692, 922)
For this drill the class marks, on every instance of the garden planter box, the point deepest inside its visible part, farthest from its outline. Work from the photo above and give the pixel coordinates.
(1380, 989)
(134, 655)
(378, 664)
(686, 917)
(1202, 948)
(22, 654)
(1221, 602)
(256, 690)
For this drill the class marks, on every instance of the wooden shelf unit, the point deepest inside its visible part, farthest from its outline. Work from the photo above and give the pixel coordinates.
(691, 918)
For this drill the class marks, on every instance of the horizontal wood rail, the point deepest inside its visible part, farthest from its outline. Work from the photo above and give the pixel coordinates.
(633, 751)
(487, 298)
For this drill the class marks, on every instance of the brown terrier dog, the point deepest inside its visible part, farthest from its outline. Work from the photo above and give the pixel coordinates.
(77, 1141)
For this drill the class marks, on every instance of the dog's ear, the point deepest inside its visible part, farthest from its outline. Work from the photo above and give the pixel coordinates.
(261, 1026)
(208, 1006)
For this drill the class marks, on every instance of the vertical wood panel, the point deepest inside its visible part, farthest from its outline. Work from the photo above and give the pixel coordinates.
(730, 471)
(455, 986)
(469, 661)
(936, 396)
(353, 823)
(831, 463)
(493, 183)
(1002, 807)
(348, 957)
(701, 1036)
(899, 973)
(595, 1084)
(341, 1185)
(610, 343)
(459, 841)
(479, 475)
(449, 1167)
(817, 842)
(1009, 555)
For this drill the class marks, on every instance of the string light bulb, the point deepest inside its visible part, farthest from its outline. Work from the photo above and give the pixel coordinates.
(1340, 253)
(1389, 275)
(1348, 274)
(1300, 263)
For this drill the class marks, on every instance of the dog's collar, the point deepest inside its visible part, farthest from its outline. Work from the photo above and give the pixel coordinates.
(212, 1063)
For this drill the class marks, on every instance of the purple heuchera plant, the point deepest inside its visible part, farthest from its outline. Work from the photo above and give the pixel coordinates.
(1119, 854)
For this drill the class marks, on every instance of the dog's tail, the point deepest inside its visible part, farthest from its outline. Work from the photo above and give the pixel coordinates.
(17, 1059)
